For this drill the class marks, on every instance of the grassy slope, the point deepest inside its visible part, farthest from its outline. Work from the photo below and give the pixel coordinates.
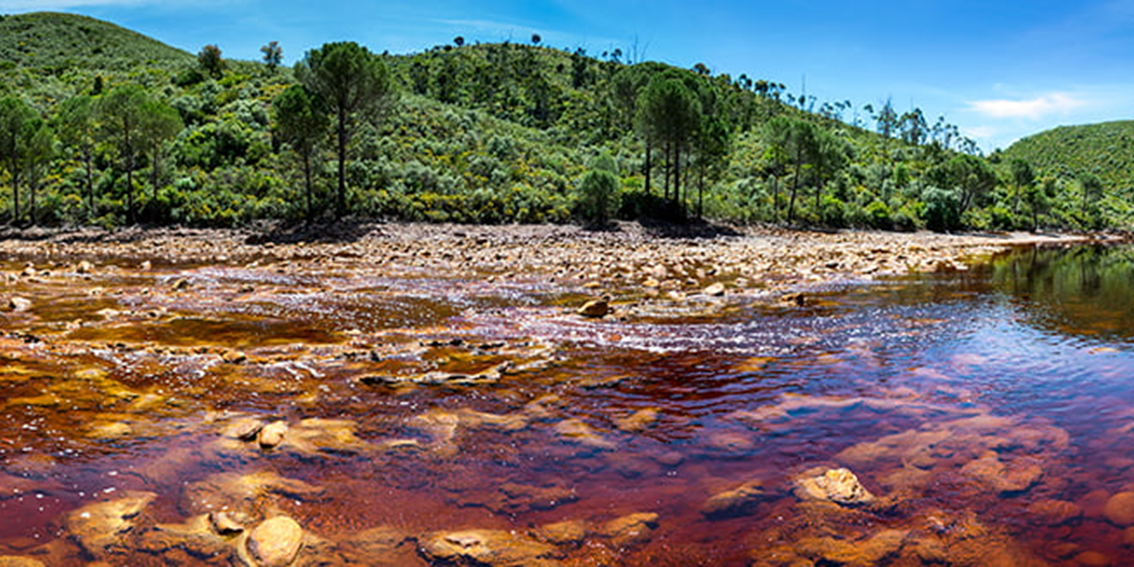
(59, 42)
(1106, 149)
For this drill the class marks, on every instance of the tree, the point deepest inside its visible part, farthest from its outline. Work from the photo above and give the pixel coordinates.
(210, 60)
(357, 88)
(536, 39)
(831, 154)
(713, 144)
(75, 126)
(160, 122)
(670, 115)
(38, 148)
(1092, 189)
(273, 55)
(301, 122)
(598, 191)
(459, 41)
(122, 115)
(14, 115)
(1023, 178)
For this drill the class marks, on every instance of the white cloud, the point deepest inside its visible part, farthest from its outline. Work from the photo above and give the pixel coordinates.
(1033, 109)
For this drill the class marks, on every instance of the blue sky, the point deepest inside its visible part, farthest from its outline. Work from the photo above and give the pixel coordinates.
(999, 70)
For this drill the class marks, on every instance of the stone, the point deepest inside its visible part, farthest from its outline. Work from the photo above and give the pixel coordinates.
(870, 551)
(380, 546)
(315, 436)
(1055, 512)
(16, 561)
(102, 527)
(19, 304)
(630, 529)
(225, 522)
(638, 421)
(493, 548)
(1092, 559)
(1006, 478)
(596, 308)
(714, 290)
(1119, 509)
(736, 502)
(577, 431)
(246, 495)
(570, 532)
(195, 537)
(244, 428)
(273, 434)
(275, 542)
(84, 267)
(840, 486)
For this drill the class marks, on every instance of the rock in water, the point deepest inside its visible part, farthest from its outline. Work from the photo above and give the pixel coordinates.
(595, 309)
(840, 486)
(736, 502)
(496, 548)
(715, 290)
(275, 542)
(102, 527)
(1119, 509)
(273, 434)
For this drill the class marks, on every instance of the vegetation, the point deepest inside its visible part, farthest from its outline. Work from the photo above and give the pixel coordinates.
(101, 125)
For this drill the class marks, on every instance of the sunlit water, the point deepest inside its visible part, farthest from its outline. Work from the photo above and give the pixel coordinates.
(1025, 362)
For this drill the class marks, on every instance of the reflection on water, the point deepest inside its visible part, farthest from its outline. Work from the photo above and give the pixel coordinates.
(978, 418)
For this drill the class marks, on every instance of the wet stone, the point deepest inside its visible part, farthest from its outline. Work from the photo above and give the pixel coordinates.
(275, 542)
(1119, 509)
(631, 529)
(103, 527)
(736, 502)
(19, 304)
(594, 309)
(840, 486)
(16, 561)
(1055, 512)
(1006, 478)
(272, 434)
(570, 532)
(493, 548)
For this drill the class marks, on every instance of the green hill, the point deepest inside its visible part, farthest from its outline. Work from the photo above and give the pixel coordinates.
(501, 132)
(60, 43)
(1106, 150)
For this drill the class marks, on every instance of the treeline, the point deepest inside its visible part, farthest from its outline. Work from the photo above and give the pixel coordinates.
(483, 133)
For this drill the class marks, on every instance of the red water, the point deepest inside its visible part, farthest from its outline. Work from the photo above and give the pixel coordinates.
(125, 381)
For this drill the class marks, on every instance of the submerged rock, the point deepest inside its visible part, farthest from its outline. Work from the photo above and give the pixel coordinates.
(16, 561)
(494, 548)
(1119, 509)
(840, 486)
(19, 304)
(272, 434)
(569, 532)
(1006, 478)
(246, 495)
(197, 537)
(630, 529)
(736, 502)
(102, 528)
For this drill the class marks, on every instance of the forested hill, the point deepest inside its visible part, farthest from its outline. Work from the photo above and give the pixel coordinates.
(472, 132)
(1105, 150)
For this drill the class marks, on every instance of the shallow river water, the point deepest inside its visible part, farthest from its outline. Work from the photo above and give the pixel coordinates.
(987, 417)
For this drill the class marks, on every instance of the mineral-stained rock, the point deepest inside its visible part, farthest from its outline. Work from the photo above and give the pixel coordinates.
(227, 523)
(243, 494)
(315, 436)
(570, 532)
(244, 429)
(1119, 509)
(577, 431)
(494, 548)
(714, 290)
(102, 527)
(273, 434)
(595, 308)
(840, 486)
(275, 542)
(377, 546)
(1006, 478)
(638, 421)
(196, 537)
(630, 529)
(736, 502)
(16, 561)
(869, 551)
(1092, 559)
(1055, 512)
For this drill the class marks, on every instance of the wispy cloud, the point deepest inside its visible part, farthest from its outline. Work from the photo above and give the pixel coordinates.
(1034, 108)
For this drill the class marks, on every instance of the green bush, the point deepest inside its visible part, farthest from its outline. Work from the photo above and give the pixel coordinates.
(878, 215)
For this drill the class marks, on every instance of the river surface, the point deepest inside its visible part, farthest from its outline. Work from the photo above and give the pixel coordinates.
(988, 412)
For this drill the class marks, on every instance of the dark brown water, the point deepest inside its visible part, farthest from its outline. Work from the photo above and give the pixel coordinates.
(971, 404)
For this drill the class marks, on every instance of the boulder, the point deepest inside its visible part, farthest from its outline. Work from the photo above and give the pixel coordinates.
(275, 542)
(272, 434)
(715, 290)
(630, 529)
(19, 304)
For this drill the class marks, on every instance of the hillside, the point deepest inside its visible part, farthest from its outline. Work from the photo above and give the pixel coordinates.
(60, 43)
(492, 133)
(1106, 150)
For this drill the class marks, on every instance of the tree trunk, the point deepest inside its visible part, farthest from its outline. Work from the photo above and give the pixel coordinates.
(307, 184)
(90, 184)
(649, 150)
(794, 188)
(340, 198)
(155, 172)
(15, 193)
